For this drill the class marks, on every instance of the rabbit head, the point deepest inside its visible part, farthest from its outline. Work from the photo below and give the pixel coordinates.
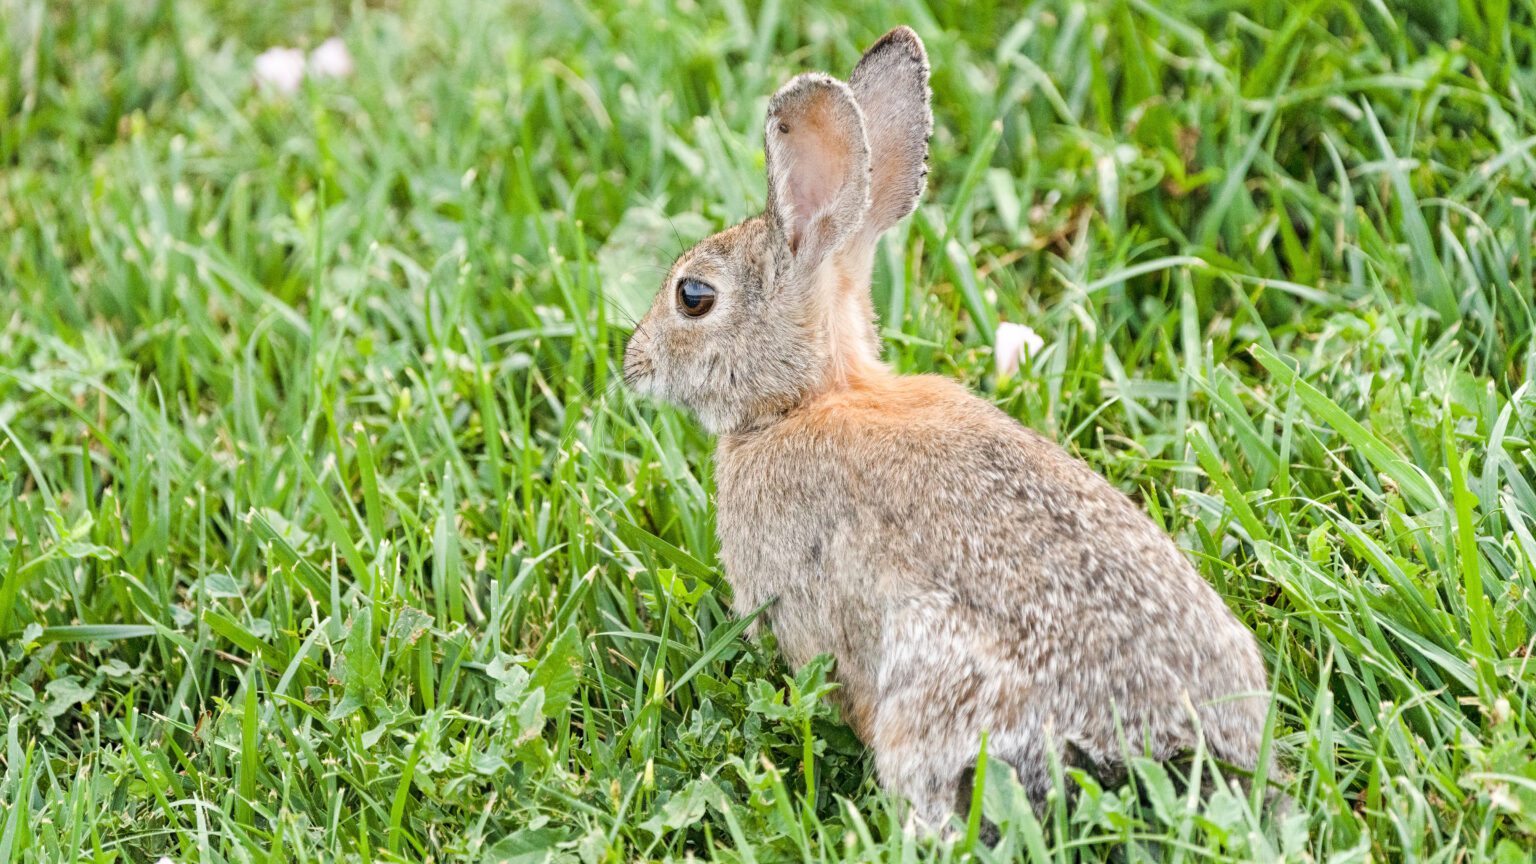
(753, 320)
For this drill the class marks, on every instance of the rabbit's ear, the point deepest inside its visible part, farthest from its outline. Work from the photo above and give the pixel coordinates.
(818, 167)
(891, 86)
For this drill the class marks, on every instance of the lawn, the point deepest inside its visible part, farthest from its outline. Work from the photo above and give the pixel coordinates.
(328, 533)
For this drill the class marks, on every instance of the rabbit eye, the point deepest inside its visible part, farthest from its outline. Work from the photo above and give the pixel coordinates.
(695, 298)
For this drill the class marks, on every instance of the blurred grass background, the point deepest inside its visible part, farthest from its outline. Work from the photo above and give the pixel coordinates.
(327, 534)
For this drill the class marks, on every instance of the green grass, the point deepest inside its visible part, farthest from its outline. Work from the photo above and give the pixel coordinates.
(327, 532)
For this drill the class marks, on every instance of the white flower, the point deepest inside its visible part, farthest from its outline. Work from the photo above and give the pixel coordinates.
(280, 69)
(331, 59)
(1013, 342)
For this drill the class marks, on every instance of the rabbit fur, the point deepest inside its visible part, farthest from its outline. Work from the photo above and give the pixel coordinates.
(967, 574)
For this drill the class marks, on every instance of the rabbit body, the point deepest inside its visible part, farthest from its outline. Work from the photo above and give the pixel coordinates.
(968, 575)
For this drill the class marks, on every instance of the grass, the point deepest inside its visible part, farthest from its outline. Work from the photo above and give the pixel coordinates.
(328, 534)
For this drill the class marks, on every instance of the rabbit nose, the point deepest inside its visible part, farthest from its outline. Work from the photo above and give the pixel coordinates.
(637, 363)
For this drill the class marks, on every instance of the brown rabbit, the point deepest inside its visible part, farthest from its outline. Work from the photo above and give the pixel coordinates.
(968, 575)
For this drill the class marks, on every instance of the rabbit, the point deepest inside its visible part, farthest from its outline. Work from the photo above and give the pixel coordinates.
(968, 575)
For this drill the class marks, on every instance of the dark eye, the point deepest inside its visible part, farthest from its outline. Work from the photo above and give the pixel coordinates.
(695, 298)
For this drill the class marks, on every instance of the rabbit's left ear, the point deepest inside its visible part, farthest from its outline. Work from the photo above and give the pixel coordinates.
(891, 86)
(818, 167)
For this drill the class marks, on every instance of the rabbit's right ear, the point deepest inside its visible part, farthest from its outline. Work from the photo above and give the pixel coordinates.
(891, 85)
(818, 168)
